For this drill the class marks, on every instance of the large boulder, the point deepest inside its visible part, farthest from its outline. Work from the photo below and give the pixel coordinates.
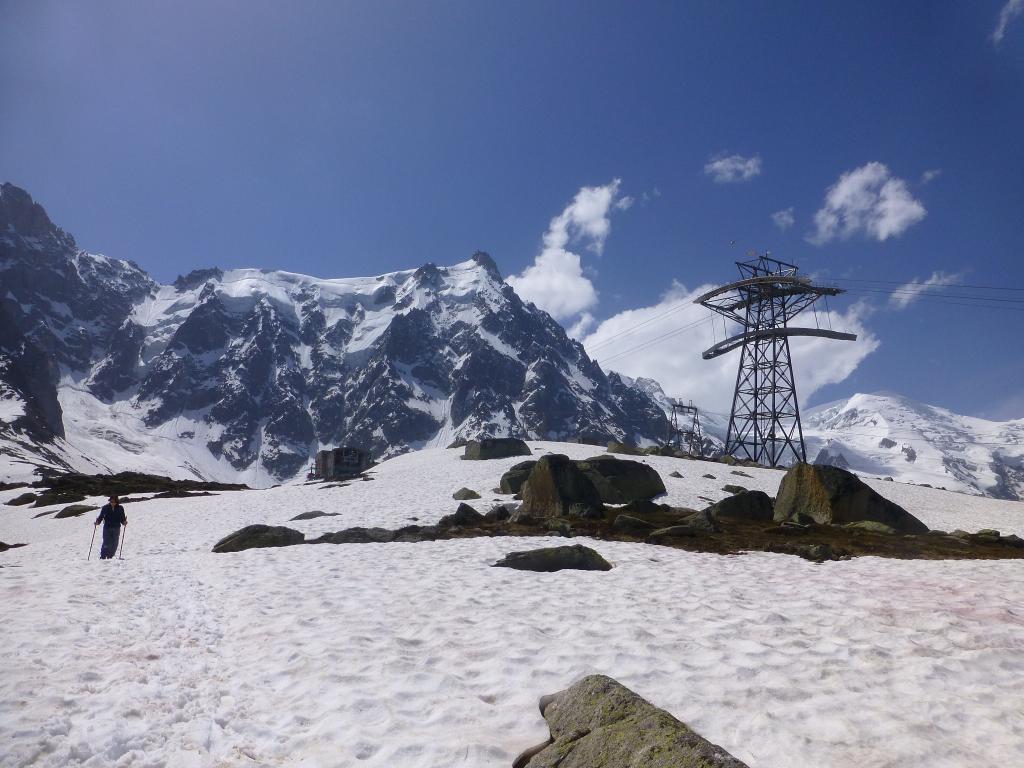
(256, 536)
(746, 505)
(512, 481)
(833, 496)
(551, 559)
(620, 481)
(599, 722)
(495, 448)
(465, 494)
(556, 487)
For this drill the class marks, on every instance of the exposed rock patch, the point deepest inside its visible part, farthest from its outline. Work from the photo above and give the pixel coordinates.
(495, 448)
(512, 481)
(551, 559)
(620, 481)
(830, 495)
(599, 723)
(313, 515)
(465, 494)
(256, 536)
(557, 488)
(74, 510)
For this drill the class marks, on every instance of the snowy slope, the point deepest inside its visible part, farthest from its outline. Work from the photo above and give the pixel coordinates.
(888, 435)
(422, 656)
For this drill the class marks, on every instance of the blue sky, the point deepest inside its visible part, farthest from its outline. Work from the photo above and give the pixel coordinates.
(343, 139)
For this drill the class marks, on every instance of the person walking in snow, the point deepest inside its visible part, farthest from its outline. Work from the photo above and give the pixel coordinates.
(112, 516)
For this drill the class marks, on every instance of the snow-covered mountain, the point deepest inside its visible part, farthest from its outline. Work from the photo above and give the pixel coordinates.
(891, 436)
(243, 374)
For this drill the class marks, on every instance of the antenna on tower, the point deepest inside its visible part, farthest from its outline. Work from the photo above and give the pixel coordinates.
(765, 420)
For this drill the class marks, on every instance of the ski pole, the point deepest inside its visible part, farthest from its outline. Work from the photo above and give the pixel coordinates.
(124, 535)
(92, 541)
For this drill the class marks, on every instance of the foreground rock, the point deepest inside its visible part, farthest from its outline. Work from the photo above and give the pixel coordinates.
(557, 488)
(551, 559)
(465, 494)
(599, 723)
(620, 481)
(256, 536)
(833, 496)
(495, 448)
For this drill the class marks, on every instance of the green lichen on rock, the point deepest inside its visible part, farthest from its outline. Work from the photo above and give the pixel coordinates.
(833, 496)
(599, 723)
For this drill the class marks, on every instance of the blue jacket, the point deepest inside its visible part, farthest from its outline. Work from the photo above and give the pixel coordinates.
(112, 517)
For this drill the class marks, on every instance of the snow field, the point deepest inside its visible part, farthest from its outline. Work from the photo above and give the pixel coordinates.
(422, 655)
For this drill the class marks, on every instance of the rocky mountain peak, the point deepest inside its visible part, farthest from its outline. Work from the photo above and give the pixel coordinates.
(21, 216)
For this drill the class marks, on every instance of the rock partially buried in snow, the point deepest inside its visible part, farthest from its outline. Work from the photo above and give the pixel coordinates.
(512, 481)
(620, 481)
(551, 559)
(465, 494)
(746, 505)
(257, 536)
(557, 488)
(464, 515)
(600, 722)
(495, 448)
(74, 510)
(629, 450)
(313, 515)
(833, 496)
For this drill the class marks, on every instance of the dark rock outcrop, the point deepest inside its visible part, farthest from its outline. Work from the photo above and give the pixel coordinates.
(313, 515)
(512, 481)
(620, 481)
(745, 505)
(463, 516)
(465, 494)
(556, 487)
(833, 496)
(495, 448)
(74, 510)
(598, 722)
(551, 559)
(257, 536)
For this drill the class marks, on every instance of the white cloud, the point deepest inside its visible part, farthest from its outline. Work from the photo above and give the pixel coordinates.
(784, 219)
(555, 281)
(1010, 11)
(868, 200)
(624, 203)
(930, 175)
(908, 293)
(659, 350)
(726, 169)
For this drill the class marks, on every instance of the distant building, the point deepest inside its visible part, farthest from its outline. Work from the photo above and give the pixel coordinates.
(336, 463)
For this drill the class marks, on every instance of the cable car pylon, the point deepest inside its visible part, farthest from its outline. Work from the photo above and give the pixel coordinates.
(764, 424)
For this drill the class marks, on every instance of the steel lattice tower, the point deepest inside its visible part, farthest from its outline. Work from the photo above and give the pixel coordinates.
(765, 420)
(677, 434)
